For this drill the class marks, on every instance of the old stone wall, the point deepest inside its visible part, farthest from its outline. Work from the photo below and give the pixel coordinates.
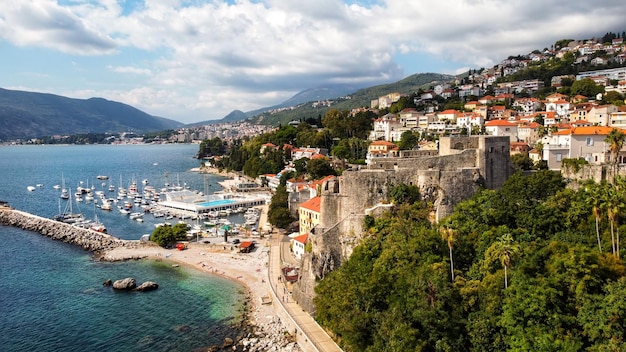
(444, 181)
(466, 158)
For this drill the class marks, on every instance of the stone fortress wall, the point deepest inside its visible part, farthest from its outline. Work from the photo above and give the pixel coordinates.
(463, 166)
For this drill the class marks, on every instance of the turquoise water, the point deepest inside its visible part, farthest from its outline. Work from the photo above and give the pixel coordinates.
(51, 293)
(214, 203)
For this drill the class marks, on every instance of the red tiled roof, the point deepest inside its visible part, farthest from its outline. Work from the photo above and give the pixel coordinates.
(597, 130)
(499, 123)
(302, 238)
(382, 142)
(312, 204)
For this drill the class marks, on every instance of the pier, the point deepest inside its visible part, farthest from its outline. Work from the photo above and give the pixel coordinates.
(90, 240)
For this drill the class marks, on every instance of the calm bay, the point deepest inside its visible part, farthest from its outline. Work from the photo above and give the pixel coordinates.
(51, 293)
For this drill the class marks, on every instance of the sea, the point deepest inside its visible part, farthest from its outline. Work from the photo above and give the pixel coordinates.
(51, 293)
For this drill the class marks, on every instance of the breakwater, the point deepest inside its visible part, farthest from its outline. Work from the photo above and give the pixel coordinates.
(90, 240)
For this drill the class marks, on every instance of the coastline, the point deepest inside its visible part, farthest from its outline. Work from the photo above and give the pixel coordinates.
(261, 329)
(216, 171)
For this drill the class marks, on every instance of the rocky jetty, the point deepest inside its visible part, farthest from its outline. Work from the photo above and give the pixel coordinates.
(93, 241)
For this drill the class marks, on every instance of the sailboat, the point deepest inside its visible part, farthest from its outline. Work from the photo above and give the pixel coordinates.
(68, 215)
(96, 225)
(64, 193)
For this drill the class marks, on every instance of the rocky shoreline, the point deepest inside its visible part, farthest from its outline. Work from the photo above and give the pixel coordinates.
(89, 240)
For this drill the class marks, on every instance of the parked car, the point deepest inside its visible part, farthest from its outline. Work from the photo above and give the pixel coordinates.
(236, 241)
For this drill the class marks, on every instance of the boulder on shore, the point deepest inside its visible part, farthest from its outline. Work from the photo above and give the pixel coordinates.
(147, 286)
(125, 284)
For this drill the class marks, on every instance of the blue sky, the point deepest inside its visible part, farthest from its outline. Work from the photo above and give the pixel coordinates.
(196, 60)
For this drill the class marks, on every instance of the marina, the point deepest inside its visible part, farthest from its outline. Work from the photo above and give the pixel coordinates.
(205, 206)
(64, 278)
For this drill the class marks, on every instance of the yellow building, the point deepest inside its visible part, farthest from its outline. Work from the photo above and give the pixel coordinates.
(309, 214)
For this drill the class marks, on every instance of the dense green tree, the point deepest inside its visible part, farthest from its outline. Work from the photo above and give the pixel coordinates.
(404, 194)
(521, 161)
(408, 140)
(586, 87)
(393, 293)
(602, 316)
(300, 166)
(319, 168)
(166, 234)
(613, 98)
(212, 147)
(385, 306)
(278, 213)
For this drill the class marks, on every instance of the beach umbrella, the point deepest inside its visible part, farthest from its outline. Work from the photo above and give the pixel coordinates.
(226, 228)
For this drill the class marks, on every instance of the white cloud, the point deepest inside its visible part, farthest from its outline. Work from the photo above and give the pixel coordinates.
(46, 24)
(210, 57)
(129, 69)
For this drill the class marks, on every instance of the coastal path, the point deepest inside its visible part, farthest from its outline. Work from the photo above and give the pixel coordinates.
(310, 336)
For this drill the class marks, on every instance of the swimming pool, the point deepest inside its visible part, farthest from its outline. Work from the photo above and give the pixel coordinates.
(215, 203)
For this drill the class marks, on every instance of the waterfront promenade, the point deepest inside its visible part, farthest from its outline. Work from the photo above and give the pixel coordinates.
(310, 336)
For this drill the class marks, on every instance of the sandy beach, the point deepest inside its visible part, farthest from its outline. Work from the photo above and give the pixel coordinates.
(250, 269)
(224, 259)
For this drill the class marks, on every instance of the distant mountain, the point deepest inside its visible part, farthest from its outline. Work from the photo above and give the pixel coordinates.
(305, 96)
(31, 115)
(346, 100)
(234, 116)
(345, 96)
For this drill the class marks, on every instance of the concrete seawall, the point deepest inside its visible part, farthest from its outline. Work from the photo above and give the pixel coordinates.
(90, 240)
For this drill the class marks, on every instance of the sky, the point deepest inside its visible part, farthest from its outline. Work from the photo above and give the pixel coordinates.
(198, 60)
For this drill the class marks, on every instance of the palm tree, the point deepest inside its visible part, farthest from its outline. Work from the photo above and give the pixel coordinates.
(449, 235)
(612, 205)
(504, 249)
(595, 195)
(620, 186)
(615, 138)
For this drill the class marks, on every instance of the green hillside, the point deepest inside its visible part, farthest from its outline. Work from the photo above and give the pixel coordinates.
(31, 115)
(357, 99)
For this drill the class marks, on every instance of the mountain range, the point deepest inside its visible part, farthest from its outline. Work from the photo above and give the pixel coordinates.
(25, 115)
(345, 97)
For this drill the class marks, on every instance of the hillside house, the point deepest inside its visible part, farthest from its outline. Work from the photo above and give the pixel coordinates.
(381, 149)
(386, 127)
(579, 142)
(560, 107)
(298, 245)
(501, 128)
(309, 215)
(307, 152)
(600, 114)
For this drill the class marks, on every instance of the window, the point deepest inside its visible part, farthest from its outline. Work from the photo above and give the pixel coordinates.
(559, 157)
(589, 141)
